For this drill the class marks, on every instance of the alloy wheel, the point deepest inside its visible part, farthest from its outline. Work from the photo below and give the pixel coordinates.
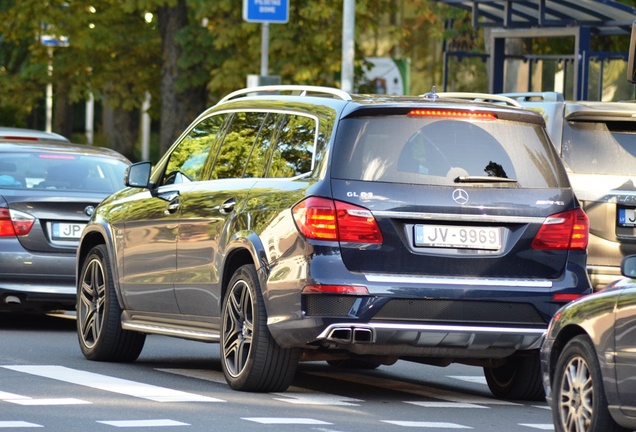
(239, 328)
(576, 396)
(92, 299)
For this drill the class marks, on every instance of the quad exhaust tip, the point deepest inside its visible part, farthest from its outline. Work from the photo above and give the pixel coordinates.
(351, 335)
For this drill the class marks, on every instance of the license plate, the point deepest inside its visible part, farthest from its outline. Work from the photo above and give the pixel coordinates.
(63, 230)
(626, 217)
(468, 237)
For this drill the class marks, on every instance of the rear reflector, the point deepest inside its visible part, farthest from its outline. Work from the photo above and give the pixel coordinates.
(566, 298)
(452, 114)
(336, 289)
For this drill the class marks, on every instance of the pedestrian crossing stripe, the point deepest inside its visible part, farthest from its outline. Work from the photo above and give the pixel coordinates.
(111, 384)
(143, 423)
(286, 420)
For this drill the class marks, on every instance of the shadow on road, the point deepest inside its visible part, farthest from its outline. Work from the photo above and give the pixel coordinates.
(62, 321)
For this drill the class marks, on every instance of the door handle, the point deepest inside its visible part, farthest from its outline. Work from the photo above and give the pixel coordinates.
(228, 206)
(173, 206)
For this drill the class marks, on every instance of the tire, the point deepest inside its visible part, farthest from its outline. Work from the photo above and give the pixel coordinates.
(578, 400)
(518, 379)
(358, 364)
(250, 357)
(99, 331)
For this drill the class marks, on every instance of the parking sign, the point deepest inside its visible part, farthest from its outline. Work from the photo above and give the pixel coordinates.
(266, 11)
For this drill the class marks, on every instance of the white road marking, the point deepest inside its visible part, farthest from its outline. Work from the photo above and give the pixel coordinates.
(18, 424)
(111, 384)
(432, 425)
(548, 427)
(11, 396)
(445, 405)
(419, 390)
(48, 402)
(143, 423)
(285, 420)
(313, 398)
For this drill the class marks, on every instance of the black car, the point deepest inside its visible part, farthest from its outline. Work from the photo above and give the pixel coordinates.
(296, 223)
(589, 359)
(48, 190)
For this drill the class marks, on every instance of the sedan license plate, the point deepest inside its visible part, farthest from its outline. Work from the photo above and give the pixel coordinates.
(67, 231)
(626, 217)
(468, 237)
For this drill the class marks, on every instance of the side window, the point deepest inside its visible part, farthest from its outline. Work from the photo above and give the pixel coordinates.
(257, 163)
(187, 160)
(235, 151)
(294, 149)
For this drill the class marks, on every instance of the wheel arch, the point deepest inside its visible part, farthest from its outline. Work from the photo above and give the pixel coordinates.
(565, 335)
(244, 248)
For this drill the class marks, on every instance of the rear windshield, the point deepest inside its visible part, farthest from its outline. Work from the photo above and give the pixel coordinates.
(600, 148)
(433, 151)
(55, 171)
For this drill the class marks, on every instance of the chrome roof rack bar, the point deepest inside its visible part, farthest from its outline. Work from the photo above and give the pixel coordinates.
(300, 90)
(479, 97)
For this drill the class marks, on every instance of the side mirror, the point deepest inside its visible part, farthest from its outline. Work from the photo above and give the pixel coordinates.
(138, 175)
(628, 266)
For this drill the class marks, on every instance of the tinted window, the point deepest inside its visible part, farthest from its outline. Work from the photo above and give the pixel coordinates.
(56, 171)
(261, 151)
(294, 147)
(600, 148)
(231, 161)
(424, 150)
(187, 161)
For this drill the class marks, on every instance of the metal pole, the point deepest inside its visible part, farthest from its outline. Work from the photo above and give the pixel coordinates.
(265, 49)
(145, 128)
(348, 44)
(89, 119)
(49, 93)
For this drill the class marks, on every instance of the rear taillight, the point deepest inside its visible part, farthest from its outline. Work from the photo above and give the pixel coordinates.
(325, 219)
(562, 231)
(15, 223)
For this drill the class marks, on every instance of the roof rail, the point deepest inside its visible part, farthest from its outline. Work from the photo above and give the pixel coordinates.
(299, 90)
(480, 97)
(535, 96)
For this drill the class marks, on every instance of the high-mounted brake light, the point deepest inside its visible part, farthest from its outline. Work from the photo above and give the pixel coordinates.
(567, 230)
(325, 219)
(19, 138)
(460, 114)
(15, 223)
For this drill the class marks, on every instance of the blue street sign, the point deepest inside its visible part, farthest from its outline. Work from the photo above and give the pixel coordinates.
(266, 11)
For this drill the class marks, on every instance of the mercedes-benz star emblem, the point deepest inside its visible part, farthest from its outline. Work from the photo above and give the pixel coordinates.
(89, 210)
(460, 196)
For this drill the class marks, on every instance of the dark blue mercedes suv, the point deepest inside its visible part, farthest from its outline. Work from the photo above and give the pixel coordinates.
(293, 223)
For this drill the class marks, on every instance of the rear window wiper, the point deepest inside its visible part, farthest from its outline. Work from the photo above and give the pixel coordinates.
(483, 179)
